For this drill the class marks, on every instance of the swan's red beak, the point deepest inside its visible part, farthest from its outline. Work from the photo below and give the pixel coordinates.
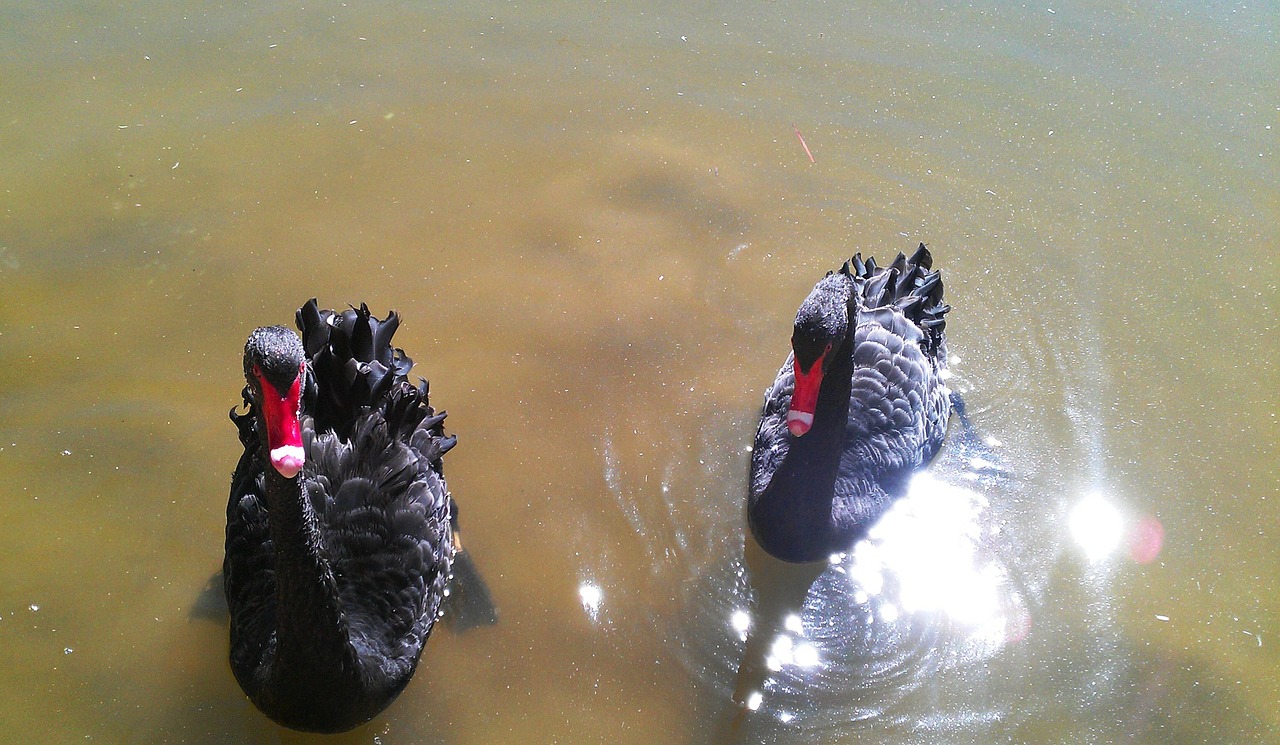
(284, 433)
(804, 401)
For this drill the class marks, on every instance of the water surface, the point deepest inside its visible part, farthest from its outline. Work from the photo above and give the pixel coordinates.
(597, 223)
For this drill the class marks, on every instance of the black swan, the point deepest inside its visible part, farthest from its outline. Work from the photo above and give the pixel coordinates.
(860, 404)
(339, 545)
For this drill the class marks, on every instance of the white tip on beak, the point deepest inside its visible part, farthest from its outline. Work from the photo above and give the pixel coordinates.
(288, 460)
(799, 422)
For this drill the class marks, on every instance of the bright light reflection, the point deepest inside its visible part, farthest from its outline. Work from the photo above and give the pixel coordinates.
(1097, 526)
(787, 651)
(591, 596)
(806, 655)
(781, 653)
(928, 542)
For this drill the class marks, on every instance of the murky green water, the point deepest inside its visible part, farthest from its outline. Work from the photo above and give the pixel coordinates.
(597, 222)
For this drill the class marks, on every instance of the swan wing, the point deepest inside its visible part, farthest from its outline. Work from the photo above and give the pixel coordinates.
(897, 406)
(385, 510)
(772, 438)
(248, 567)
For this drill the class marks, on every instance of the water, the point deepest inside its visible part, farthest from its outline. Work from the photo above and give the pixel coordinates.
(597, 223)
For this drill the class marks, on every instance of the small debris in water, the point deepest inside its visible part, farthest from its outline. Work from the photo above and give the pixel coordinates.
(1161, 618)
(803, 144)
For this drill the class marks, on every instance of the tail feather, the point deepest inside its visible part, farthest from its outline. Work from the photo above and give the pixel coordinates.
(356, 366)
(922, 258)
(909, 284)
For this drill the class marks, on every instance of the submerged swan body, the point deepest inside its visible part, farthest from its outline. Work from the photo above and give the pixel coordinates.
(858, 407)
(338, 542)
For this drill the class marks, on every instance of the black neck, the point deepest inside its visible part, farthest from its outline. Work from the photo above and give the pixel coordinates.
(313, 642)
(795, 508)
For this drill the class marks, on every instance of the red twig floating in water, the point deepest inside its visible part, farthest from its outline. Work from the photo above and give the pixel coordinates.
(802, 143)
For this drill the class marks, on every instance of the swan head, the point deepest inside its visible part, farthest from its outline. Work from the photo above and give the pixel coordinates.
(275, 368)
(821, 326)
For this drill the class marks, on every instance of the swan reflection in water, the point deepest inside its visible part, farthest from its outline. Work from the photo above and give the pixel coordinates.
(779, 652)
(842, 641)
(898, 631)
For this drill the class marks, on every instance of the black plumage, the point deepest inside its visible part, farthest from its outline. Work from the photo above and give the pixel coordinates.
(334, 577)
(869, 346)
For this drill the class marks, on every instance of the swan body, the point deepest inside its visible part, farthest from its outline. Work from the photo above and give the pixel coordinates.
(860, 404)
(338, 541)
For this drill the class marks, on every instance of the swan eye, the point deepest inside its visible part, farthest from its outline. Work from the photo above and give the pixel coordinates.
(258, 378)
